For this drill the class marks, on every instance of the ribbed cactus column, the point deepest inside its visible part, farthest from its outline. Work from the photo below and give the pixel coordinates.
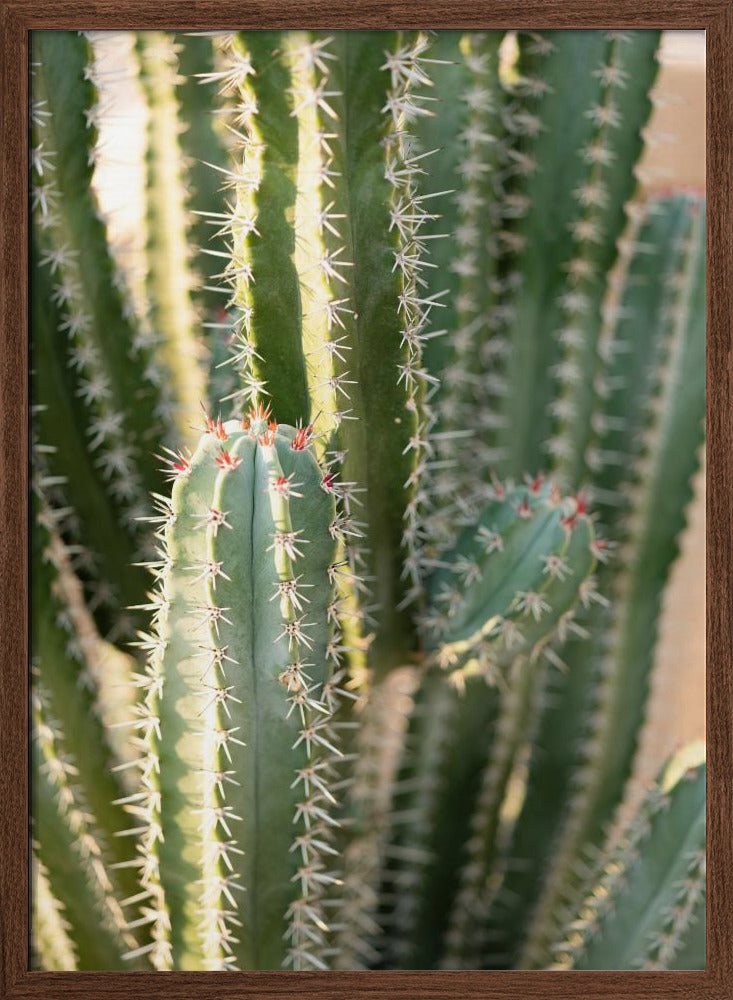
(647, 910)
(650, 395)
(596, 87)
(202, 143)
(327, 276)
(620, 111)
(513, 582)
(376, 87)
(472, 203)
(96, 511)
(242, 725)
(168, 278)
(431, 805)
(112, 356)
(102, 400)
(79, 917)
(624, 657)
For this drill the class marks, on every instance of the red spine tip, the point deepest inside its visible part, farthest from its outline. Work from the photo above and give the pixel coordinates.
(227, 462)
(525, 509)
(581, 504)
(262, 413)
(302, 438)
(328, 483)
(216, 427)
(600, 549)
(499, 491)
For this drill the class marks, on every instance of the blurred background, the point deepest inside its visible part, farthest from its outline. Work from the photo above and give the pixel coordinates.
(675, 156)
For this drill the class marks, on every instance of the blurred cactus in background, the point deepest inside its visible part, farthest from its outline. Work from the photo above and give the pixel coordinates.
(426, 373)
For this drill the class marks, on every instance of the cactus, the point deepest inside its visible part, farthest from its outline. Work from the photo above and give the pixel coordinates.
(99, 380)
(513, 578)
(651, 886)
(77, 816)
(407, 581)
(240, 679)
(168, 279)
(606, 707)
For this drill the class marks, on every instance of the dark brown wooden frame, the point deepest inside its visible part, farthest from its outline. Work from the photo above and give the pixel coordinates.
(18, 17)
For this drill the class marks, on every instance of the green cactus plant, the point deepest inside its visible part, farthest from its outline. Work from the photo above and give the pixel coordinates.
(77, 816)
(650, 890)
(240, 688)
(407, 582)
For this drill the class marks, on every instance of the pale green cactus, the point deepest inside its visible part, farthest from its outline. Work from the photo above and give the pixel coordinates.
(241, 687)
(649, 899)
(407, 582)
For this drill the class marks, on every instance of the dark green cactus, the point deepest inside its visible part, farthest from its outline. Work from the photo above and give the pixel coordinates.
(612, 705)
(321, 337)
(203, 147)
(391, 695)
(105, 404)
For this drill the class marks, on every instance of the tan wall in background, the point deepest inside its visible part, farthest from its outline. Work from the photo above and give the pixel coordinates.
(679, 114)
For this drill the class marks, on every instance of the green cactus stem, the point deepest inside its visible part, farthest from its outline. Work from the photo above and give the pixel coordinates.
(92, 512)
(204, 143)
(553, 211)
(202, 140)
(99, 394)
(575, 190)
(443, 135)
(634, 375)
(471, 206)
(78, 817)
(522, 570)
(262, 272)
(618, 117)
(120, 378)
(493, 814)
(651, 533)
(649, 903)
(331, 316)
(433, 794)
(239, 675)
(168, 279)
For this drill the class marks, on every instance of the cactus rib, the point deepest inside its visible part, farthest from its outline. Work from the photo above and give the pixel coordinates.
(168, 283)
(651, 891)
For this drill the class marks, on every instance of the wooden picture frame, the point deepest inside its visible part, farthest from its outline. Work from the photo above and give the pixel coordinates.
(18, 18)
